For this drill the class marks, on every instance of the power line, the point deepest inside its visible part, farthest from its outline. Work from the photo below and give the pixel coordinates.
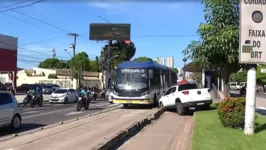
(25, 60)
(29, 23)
(14, 4)
(23, 6)
(42, 41)
(29, 50)
(41, 21)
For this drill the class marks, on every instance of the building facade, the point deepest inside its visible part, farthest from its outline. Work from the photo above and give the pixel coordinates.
(161, 60)
(61, 77)
(8, 58)
(170, 62)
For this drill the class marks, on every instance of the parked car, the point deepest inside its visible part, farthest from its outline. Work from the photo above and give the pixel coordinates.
(47, 89)
(242, 91)
(9, 111)
(184, 96)
(55, 87)
(64, 95)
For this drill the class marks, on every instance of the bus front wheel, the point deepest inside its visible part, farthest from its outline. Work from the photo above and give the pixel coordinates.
(125, 105)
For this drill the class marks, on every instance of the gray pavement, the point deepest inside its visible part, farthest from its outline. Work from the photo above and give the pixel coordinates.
(53, 113)
(170, 132)
(79, 135)
(22, 96)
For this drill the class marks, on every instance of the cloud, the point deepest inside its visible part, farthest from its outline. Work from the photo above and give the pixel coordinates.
(112, 7)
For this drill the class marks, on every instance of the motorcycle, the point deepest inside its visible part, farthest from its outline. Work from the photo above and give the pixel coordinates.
(102, 93)
(36, 99)
(27, 99)
(84, 101)
(94, 95)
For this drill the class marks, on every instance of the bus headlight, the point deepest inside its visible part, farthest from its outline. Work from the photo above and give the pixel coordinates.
(145, 93)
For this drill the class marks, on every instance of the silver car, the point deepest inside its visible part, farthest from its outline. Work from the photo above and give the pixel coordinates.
(9, 111)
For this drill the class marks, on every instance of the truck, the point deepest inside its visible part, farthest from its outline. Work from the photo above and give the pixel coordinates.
(141, 82)
(183, 96)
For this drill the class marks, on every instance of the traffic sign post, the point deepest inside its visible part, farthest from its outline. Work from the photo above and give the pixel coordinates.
(252, 51)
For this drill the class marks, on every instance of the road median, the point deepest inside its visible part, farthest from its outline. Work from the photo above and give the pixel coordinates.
(103, 128)
(127, 133)
(57, 124)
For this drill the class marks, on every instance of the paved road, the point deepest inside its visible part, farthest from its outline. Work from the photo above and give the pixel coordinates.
(53, 113)
(21, 97)
(82, 134)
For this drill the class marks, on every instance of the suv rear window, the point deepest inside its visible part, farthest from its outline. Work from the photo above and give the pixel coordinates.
(5, 98)
(182, 87)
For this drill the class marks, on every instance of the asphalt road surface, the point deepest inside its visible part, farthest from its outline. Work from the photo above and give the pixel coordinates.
(235, 93)
(53, 113)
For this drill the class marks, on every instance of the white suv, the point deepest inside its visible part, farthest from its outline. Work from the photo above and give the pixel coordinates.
(9, 111)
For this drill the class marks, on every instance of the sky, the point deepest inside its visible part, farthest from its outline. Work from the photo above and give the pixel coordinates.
(157, 29)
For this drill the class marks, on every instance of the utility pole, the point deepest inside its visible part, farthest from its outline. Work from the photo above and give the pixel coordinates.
(74, 52)
(108, 74)
(53, 55)
(102, 65)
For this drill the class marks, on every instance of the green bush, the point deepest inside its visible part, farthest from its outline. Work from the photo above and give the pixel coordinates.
(232, 112)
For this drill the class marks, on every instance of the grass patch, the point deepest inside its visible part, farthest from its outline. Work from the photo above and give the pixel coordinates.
(209, 134)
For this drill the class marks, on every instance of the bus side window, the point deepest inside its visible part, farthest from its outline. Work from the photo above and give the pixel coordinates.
(156, 79)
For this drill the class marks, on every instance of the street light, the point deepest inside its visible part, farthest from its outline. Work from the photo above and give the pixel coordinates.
(72, 64)
(110, 60)
(68, 53)
(109, 73)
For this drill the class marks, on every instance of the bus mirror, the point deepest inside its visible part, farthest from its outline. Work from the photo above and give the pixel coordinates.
(150, 74)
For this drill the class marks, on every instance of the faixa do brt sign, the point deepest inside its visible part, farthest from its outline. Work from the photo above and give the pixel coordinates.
(252, 32)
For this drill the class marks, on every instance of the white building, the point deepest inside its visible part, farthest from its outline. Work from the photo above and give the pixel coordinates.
(61, 77)
(170, 62)
(161, 60)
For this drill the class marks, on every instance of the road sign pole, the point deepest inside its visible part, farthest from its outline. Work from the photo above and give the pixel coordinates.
(250, 100)
(252, 52)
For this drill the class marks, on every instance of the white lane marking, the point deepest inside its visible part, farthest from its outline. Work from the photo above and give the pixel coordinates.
(73, 113)
(51, 112)
(30, 112)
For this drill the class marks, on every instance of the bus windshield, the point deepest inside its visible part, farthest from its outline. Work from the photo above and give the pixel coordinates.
(131, 79)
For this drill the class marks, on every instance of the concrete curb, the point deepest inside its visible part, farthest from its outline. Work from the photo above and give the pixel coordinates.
(57, 124)
(128, 132)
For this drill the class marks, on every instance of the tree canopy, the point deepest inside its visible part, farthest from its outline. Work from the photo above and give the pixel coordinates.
(124, 52)
(176, 70)
(240, 76)
(219, 38)
(143, 58)
(261, 77)
(52, 63)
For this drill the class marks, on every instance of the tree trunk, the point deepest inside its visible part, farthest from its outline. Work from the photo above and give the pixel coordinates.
(225, 80)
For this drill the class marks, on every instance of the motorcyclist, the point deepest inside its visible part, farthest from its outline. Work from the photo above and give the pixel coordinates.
(84, 95)
(35, 91)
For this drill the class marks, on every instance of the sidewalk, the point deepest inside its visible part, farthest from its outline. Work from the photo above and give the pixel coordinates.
(78, 135)
(170, 132)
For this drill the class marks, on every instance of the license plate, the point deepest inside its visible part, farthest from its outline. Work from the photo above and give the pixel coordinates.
(200, 104)
(128, 101)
